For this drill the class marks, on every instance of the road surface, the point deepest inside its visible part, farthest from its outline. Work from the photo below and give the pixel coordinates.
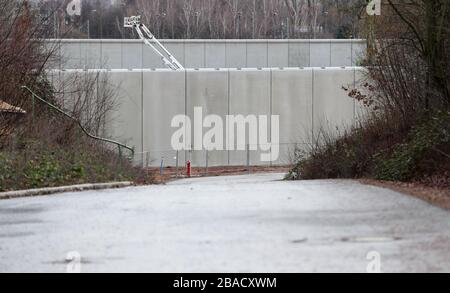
(254, 223)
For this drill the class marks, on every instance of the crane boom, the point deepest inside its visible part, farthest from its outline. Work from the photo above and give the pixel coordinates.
(144, 34)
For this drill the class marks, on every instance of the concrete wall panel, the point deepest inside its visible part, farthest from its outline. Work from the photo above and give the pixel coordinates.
(150, 59)
(278, 54)
(257, 54)
(194, 54)
(125, 122)
(208, 89)
(332, 105)
(292, 101)
(133, 55)
(215, 55)
(236, 54)
(249, 95)
(71, 55)
(320, 53)
(341, 53)
(112, 55)
(299, 53)
(163, 99)
(91, 55)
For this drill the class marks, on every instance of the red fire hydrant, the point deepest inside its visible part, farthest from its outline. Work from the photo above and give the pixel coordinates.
(188, 169)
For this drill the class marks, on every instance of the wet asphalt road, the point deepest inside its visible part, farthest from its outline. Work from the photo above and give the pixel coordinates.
(254, 223)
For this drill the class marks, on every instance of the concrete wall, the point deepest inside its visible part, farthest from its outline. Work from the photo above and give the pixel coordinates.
(133, 54)
(207, 89)
(163, 97)
(250, 94)
(306, 100)
(292, 99)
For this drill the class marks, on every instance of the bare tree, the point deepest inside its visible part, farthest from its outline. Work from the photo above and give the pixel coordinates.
(409, 56)
(23, 55)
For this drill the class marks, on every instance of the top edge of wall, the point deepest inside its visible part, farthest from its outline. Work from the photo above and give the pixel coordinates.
(212, 69)
(211, 40)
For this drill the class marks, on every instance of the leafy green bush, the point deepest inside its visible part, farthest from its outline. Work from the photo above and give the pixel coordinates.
(42, 171)
(36, 165)
(424, 141)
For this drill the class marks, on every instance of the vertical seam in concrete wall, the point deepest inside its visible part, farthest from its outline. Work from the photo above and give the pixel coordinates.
(226, 55)
(142, 55)
(267, 53)
(309, 53)
(79, 60)
(204, 54)
(103, 65)
(330, 54)
(121, 54)
(142, 116)
(289, 53)
(228, 113)
(270, 113)
(246, 53)
(351, 54)
(184, 52)
(186, 113)
(312, 108)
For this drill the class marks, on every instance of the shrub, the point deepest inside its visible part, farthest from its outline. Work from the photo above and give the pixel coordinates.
(374, 150)
(408, 159)
(36, 164)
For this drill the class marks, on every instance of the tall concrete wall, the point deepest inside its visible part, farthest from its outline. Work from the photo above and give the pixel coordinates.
(292, 99)
(164, 97)
(126, 121)
(306, 101)
(207, 89)
(133, 54)
(250, 94)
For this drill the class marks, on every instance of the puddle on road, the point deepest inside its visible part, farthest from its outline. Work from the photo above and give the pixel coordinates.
(299, 241)
(83, 261)
(23, 210)
(20, 222)
(16, 235)
(376, 239)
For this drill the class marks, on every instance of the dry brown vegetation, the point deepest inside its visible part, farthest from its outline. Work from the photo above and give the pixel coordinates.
(42, 147)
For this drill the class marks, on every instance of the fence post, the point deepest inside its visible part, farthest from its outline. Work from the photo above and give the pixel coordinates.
(206, 167)
(161, 169)
(248, 158)
(147, 162)
(119, 163)
(271, 158)
(177, 164)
